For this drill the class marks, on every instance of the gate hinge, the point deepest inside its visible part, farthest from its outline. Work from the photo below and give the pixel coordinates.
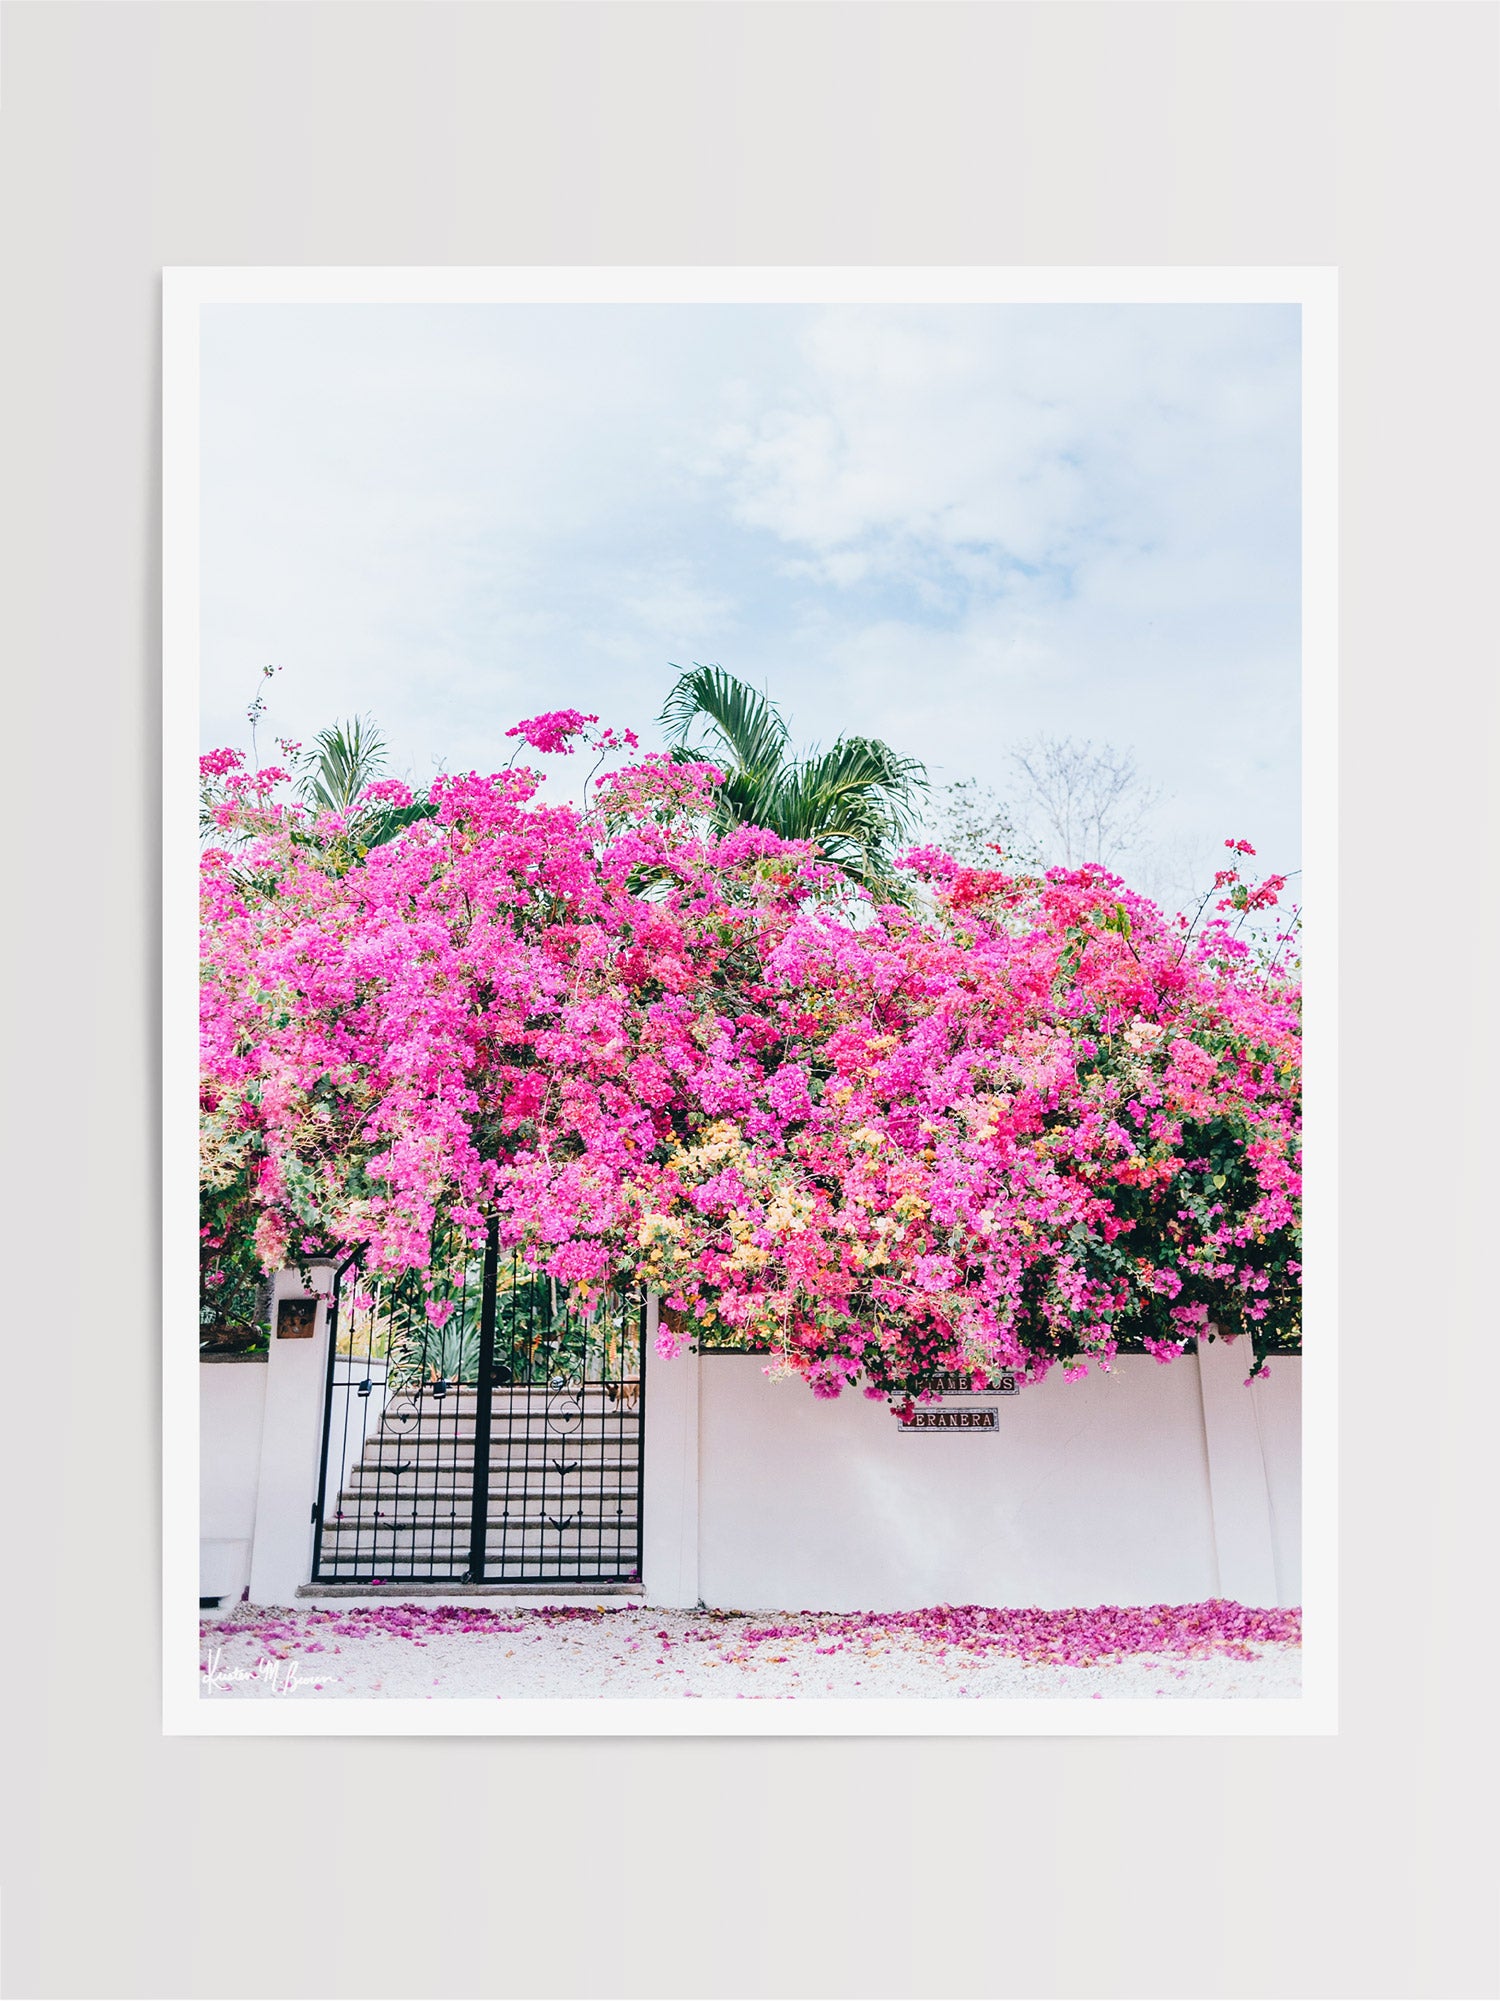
(314, 1515)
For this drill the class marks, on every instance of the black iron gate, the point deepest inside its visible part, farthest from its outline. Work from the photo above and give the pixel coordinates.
(479, 1431)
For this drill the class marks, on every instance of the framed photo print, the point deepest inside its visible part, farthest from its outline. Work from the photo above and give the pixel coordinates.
(737, 1000)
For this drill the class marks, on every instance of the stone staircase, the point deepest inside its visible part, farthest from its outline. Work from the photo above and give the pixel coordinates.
(563, 1501)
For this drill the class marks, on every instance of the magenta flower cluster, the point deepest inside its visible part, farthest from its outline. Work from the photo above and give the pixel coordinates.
(1010, 1126)
(557, 732)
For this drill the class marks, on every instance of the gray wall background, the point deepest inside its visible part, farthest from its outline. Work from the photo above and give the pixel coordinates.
(140, 135)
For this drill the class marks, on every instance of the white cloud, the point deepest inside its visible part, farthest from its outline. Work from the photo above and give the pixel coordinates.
(952, 527)
(1051, 440)
(667, 601)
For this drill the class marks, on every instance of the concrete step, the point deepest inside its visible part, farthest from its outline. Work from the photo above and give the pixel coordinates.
(504, 1396)
(437, 1476)
(380, 1463)
(391, 1506)
(543, 1523)
(534, 1453)
(428, 1417)
(573, 1449)
(588, 1538)
(513, 1562)
(424, 1583)
(413, 1492)
(514, 1523)
(364, 1485)
(502, 1507)
(546, 1591)
(566, 1417)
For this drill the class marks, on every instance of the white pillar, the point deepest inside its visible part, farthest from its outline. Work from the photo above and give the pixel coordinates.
(1238, 1489)
(291, 1444)
(669, 1521)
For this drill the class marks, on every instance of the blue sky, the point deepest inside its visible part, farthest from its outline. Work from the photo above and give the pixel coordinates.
(951, 527)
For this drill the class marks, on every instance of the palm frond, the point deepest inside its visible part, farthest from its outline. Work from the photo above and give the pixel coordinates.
(345, 758)
(865, 774)
(382, 823)
(855, 802)
(734, 717)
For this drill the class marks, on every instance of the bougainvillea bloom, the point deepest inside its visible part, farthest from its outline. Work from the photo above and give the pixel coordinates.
(1022, 1122)
(553, 732)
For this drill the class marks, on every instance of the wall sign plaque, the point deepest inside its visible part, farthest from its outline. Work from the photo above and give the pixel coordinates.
(295, 1318)
(962, 1386)
(983, 1418)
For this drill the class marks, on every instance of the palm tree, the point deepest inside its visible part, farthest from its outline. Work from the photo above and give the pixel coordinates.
(344, 759)
(855, 802)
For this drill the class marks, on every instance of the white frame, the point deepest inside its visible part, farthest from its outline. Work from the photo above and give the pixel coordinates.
(185, 291)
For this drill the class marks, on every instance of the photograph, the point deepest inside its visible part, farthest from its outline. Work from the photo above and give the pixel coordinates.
(747, 989)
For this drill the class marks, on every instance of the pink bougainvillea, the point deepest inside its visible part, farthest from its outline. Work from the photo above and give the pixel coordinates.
(1012, 1126)
(553, 732)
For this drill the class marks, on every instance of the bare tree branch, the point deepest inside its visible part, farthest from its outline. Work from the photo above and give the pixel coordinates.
(974, 825)
(1088, 803)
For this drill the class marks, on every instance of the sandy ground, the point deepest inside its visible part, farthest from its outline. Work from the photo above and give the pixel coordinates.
(635, 1652)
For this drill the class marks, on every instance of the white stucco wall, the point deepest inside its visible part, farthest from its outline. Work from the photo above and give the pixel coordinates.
(1091, 1492)
(231, 1411)
(1158, 1483)
(1277, 1404)
(290, 1448)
